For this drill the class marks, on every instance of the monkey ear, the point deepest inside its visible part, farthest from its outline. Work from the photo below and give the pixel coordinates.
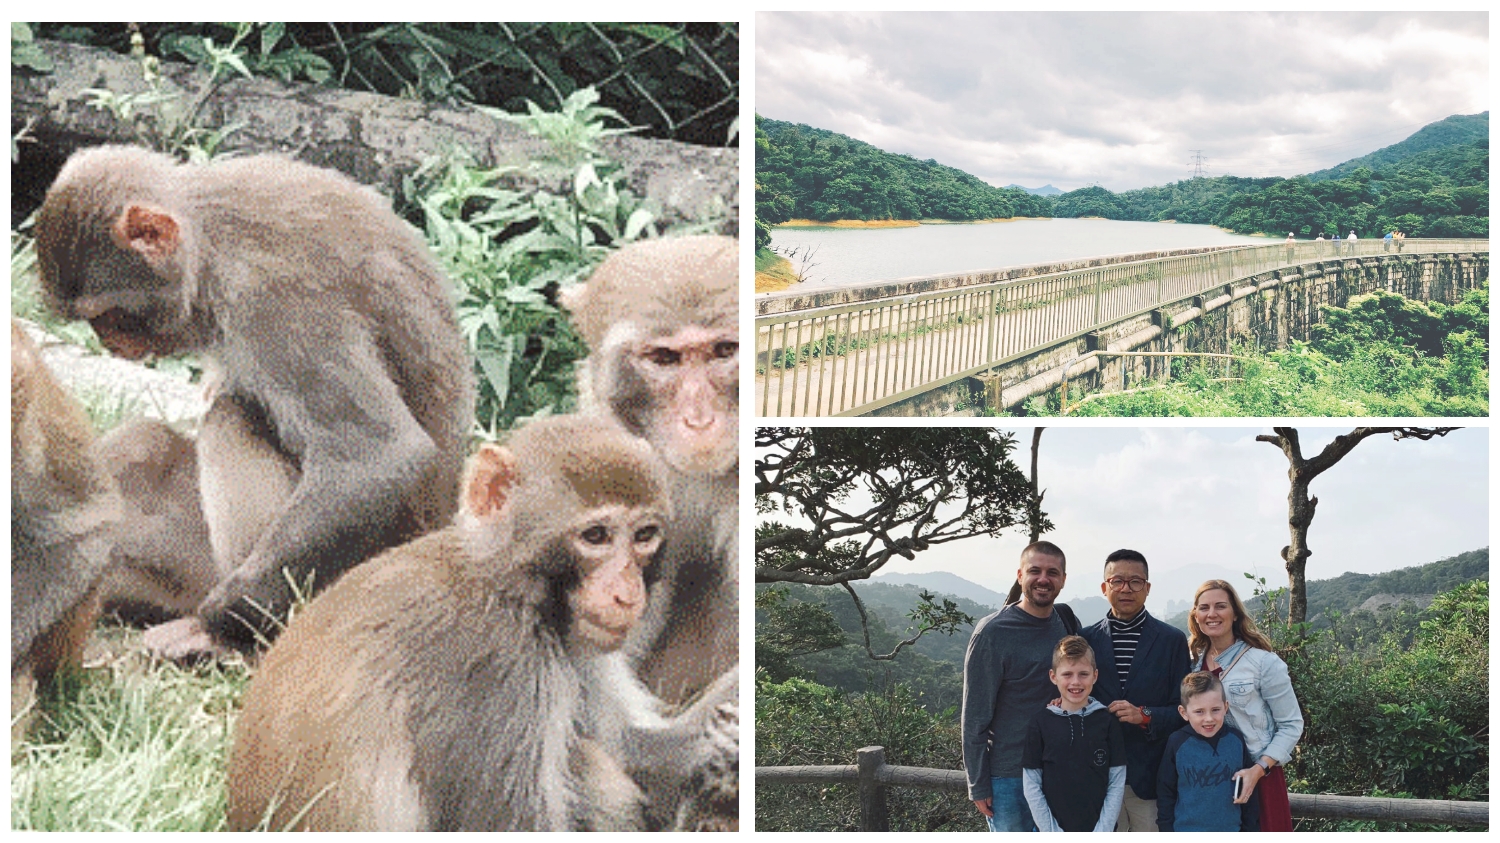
(492, 474)
(573, 298)
(150, 232)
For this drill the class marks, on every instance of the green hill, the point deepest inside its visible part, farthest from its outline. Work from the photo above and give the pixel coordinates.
(802, 172)
(1346, 593)
(1457, 130)
(1433, 184)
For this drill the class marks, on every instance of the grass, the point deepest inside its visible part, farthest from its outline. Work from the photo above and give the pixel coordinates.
(128, 745)
(773, 273)
(1298, 381)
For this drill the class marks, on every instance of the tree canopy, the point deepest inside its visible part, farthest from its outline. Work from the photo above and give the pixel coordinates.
(858, 496)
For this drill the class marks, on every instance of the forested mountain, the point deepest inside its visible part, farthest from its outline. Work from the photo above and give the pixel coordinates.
(1457, 130)
(807, 173)
(1348, 592)
(1433, 184)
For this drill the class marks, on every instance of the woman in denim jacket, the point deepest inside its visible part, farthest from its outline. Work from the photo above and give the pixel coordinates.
(1224, 641)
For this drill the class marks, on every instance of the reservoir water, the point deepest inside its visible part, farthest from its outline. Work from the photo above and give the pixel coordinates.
(847, 257)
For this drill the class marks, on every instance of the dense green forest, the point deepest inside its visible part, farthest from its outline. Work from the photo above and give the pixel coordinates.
(1433, 184)
(807, 173)
(1395, 700)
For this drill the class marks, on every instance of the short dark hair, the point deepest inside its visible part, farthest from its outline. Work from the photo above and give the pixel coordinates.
(1200, 683)
(1073, 648)
(1047, 548)
(1127, 555)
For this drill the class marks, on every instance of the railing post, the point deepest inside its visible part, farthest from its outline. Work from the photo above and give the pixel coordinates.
(872, 811)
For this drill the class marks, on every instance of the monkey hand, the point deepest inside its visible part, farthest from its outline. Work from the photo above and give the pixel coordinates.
(184, 640)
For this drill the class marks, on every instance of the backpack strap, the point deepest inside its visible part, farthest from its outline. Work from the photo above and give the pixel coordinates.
(1070, 620)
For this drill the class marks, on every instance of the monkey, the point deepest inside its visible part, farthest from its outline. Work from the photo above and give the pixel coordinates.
(660, 319)
(161, 560)
(336, 429)
(62, 506)
(461, 682)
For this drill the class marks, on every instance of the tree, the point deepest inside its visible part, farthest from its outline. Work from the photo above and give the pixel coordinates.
(1301, 506)
(857, 497)
(1034, 517)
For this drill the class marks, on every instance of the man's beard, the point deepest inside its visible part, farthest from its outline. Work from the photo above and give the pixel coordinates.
(1047, 600)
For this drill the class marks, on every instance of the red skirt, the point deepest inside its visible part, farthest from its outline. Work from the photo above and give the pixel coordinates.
(1275, 807)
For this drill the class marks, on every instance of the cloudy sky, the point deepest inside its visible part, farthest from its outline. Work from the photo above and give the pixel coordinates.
(1122, 99)
(1210, 502)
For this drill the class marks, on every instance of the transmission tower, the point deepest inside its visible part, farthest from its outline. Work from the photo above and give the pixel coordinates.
(1198, 162)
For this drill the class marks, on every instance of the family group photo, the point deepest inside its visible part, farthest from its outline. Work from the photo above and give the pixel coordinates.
(1093, 629)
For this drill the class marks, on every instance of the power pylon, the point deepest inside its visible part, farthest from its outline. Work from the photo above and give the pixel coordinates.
(1198, 162)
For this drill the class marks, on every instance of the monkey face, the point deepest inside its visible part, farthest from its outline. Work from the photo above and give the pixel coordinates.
(612, 547)
(692, 376)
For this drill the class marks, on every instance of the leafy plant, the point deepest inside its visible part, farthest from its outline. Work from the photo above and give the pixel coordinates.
(509, 251)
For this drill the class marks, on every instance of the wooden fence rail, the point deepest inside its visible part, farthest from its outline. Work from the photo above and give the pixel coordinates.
(874, 777)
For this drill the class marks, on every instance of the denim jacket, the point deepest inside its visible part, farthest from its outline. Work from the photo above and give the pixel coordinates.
(1261, 702)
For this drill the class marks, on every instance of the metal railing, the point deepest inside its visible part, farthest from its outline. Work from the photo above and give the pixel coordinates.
(853, 358)
(873, 777)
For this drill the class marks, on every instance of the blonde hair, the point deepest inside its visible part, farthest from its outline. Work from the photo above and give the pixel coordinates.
(1073, 648)
(1243, 627)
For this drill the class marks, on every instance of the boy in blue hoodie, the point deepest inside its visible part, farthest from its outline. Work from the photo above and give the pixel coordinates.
(1073, 763)
(1195, 783)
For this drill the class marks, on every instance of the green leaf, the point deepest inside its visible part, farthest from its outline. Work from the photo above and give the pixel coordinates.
(270, 37)
(639, 219)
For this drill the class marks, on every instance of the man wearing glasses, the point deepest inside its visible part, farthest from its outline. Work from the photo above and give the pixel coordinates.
(1141, 664)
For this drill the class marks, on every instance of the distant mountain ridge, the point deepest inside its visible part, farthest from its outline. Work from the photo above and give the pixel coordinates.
(1089, 609)
(1044, 190)
(1343, 593)
(1350, 591)
(1456, 130)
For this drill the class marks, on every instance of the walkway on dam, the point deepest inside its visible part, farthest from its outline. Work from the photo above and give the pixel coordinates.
(850, 359)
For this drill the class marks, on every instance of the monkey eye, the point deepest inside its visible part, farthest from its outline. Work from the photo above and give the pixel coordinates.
(647, 533)
(663, 356)
(597, 534)
(727, 348)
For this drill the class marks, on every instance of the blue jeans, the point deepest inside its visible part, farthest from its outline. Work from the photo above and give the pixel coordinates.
(1012, 813)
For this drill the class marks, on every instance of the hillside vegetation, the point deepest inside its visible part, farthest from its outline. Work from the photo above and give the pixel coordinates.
(1435, 183)
(807, 173)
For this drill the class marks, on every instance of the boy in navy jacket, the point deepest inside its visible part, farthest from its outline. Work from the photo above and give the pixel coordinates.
(1073, 763)
(1196, 780)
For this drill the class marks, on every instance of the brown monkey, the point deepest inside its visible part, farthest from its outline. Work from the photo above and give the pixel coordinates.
(453, 684)
(161, 561)
(337, 430)
(661, 321)
(62, 506)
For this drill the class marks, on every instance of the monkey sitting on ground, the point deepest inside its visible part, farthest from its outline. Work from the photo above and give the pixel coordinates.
(161, 560)
(62, 507)
(452, 684)
(661, 319)
(347, 390)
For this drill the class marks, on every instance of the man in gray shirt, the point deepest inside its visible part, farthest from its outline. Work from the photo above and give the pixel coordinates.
(1006, 684)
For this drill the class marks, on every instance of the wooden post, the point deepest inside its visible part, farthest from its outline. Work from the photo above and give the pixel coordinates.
(872, 811)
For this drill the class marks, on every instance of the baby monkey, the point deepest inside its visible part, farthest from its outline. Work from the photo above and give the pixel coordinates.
(455, 683)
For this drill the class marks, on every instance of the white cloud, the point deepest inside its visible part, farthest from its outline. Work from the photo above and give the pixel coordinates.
(1201, 500)
(1120, 98)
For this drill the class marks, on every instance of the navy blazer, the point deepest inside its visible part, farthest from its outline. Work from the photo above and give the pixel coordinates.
(1155, 683)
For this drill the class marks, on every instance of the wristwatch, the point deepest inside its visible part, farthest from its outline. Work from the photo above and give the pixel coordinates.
(1145, 717)
(1263, 765)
